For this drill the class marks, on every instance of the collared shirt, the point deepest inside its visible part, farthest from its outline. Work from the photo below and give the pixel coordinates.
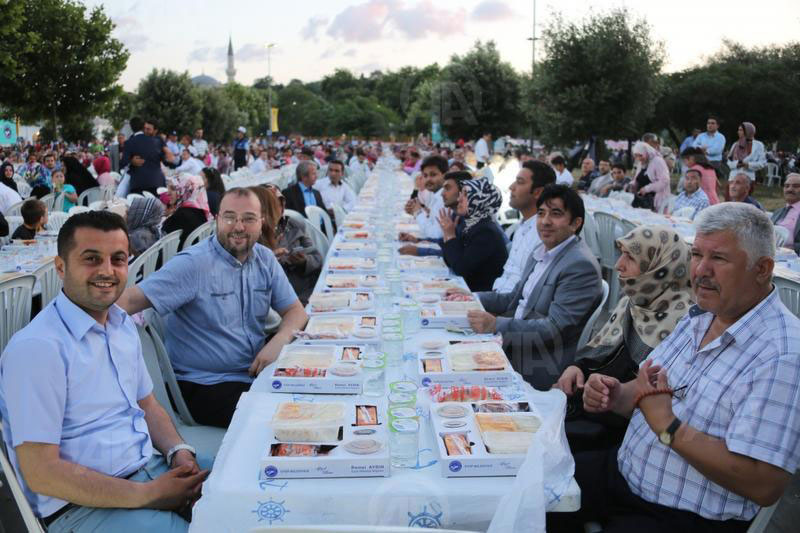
(174, 147)
(359, 166)
(714, 145)
(258, 166)
(429, 222)
(482, 151)
(217, 309)
(789, 221)
(564, 178)
(742, 388)
(67, 380)
(191, 166)
(697, 200)
(543, 258)
(201, 145)
(526, 239)
(341, 194)
(308, 194)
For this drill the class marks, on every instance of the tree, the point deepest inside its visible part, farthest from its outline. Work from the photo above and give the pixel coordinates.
(478, 92)
(340, 81)
(69, 62)
(14, 40)
(252, 103)
(170, 99)
(302, 111)
(758, 85)
(600, 77)
(219, 115)
(121, 109)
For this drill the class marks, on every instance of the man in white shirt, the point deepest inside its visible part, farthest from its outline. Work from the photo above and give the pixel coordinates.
(260, 164)
(189, 162)
(199, 143)
(563, 176)
(359, 163)
(433, 168)
(8, 197)
(525, 191)
(333, 190)
(482, 149)
(712, 143)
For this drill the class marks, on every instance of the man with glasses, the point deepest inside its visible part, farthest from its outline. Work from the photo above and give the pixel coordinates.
(217, 295)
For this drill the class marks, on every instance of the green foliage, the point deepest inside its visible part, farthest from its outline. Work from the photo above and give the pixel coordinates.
(64, 62)
(121, 109)
(302, 111)
(170, 100)
(599, 77)
(758, 85)
(252, 104)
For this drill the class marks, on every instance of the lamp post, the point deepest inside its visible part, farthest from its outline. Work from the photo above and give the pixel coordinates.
(269, 93)
(533, 40)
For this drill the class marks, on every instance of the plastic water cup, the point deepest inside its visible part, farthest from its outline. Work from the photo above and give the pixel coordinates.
(392, 346)
(412, 317)
(374, 371)
(403, 442)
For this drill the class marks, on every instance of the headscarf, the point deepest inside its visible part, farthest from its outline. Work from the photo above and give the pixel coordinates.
(101, 164)
(644, 149)
(483, 201)
(8, 182)
(76, 175)
(658, 297)
(144, 218)
(192, 193)
(744, 146)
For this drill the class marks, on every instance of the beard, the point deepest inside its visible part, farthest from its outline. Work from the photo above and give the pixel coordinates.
(228, 242)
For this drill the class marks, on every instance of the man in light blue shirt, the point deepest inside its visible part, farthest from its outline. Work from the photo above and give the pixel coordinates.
(218, 294)
(712, 143)
(79, 418)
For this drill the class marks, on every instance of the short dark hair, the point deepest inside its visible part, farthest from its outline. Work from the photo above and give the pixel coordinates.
(571, 199)
(238, 191)
(619, 166)
(214, 180)
(307, 151)
(458, 176)
(715, 118)
(32, 211)
(102, 220)
(691, 151)
(137, 124)
(435, 161)
(543, 174)
(336, 162)
(692, 169)
(459, 165)
(558, 160)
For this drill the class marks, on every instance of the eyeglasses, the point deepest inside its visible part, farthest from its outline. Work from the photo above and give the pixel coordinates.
(247, 220)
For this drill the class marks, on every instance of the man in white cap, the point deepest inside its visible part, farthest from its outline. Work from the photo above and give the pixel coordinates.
(240, 147)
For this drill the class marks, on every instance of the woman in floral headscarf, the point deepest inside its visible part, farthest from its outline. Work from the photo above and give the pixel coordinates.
(654, 275)
(478, 252)
(190, 204)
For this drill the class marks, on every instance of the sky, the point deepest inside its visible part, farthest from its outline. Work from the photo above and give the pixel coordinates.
(314, 37)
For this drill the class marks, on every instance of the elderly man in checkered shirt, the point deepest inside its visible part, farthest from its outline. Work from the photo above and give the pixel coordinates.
(714, 431)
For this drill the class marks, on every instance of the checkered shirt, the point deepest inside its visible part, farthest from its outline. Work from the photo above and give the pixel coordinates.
(743, 388)
(698, 200)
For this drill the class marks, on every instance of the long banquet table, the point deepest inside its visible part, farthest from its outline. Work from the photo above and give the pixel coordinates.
(235, 500)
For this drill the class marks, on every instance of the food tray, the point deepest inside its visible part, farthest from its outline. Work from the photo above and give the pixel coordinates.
(480, 363)
(349, 440)
(442, 313)
(338, 281)
(354, 248)
(487, 438)
(338, 329)
(322, 369)
(340, 302)
(350, 263)
(432, 265)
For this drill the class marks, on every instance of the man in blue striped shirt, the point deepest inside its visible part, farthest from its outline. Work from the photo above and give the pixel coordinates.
(714, 430)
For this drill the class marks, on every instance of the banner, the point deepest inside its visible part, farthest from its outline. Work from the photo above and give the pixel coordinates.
(8, 132)
(273, 122)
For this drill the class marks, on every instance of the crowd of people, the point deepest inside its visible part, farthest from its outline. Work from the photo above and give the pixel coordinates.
(683, 406)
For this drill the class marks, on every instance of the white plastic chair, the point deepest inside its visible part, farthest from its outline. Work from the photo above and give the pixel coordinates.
(789, 293)
(291, 213)
(781, 235)
(320, 218)
(55, 220)
(338, 215)
(13, 223)
(609, 229)
(762, 519)
(318, 238)
(169, 246)
(273, 321)
(75, 209)
(143, 265)
(49, 281)
(28, 517)
(773, 174)
(15, 306)
(200, 233)
(90, 195)
(15, 210)
(685, 212)
(148, 194)
(49, 200)
(23, 188)
(586, 334)
(622, 196)
(589, 233)
(97, 205)
(58, 203)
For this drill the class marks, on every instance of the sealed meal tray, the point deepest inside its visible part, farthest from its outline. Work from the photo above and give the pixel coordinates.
(339, 302)
(319, 368)
(351, 281)
(358, 235)
(347, 248)
(351, 263)
(507, 433)
(308, 422)
(334, 328)
(479, 363)
(430, 263)
(443, 313)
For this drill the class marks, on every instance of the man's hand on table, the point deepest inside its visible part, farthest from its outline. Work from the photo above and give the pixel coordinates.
(481, 321)
(408, 249)
(267, 355)
(456, 290)
(407, 237)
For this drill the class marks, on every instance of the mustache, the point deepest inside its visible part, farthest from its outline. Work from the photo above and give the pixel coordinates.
(705, 282)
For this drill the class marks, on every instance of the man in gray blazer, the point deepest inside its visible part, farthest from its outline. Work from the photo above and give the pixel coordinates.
(542, 317)
(789, 215)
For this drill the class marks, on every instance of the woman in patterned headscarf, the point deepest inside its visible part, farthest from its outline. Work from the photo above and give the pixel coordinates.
(190, 204)
(478, 252)
(654, 275)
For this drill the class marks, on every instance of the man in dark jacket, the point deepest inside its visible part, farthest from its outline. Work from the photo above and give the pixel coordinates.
(143, 154)
(303, 193)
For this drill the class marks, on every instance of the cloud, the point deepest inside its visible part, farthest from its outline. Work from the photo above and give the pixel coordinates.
(251, 52)
(247, 53)
(376, 19)
(350, 53)
(312, 27)
(129, 31)
(492, 11)
(368, 68)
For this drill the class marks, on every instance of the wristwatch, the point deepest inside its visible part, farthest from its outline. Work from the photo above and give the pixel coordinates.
(178, 447)
(668, 434)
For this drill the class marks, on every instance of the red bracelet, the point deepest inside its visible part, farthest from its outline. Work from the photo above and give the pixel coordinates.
(653, 392)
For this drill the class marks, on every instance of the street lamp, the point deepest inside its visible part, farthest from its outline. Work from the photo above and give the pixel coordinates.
(533, 40)
(269, 92)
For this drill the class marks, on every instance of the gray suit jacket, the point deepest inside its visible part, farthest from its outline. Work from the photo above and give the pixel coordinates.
(543, 343)
(778, 215)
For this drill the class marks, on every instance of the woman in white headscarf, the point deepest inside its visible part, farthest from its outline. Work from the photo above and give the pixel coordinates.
(651, 183)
